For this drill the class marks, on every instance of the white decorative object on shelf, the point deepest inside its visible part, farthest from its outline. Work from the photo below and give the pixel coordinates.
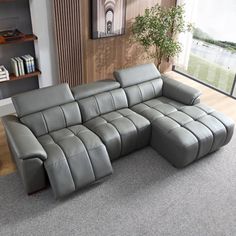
(4, 74)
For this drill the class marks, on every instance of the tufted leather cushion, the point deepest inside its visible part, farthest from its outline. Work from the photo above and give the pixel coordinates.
(158, 107)
(144, 91)
(137, 74)
(99, 98)
(100, 86)
(47, 109)
(52, 119)
(76, 157)
(102, 103)
(183, 133)
(140, 83)
(122, 131)
(42, 99)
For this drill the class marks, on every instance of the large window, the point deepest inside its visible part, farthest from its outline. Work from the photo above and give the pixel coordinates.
(209, 53)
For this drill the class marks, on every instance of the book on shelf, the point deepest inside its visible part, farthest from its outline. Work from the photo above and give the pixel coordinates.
(4, 74)
(20, 66)
(14, 67)
(27, 65)
(31, 59)
(23, 65)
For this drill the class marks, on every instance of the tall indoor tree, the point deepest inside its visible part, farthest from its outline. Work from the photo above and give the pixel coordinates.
(157, 31)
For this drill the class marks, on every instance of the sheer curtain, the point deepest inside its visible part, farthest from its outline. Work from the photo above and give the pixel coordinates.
(185, 39)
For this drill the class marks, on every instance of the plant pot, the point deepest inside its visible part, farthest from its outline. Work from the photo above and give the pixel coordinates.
(166, 66)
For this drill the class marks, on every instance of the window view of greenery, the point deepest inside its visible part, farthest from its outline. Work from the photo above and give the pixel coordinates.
(212, 57)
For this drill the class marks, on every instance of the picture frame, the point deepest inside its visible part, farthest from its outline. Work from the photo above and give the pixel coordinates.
(108, 18)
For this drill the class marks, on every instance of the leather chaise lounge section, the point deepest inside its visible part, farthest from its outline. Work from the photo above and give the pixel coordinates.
(70, 137)
(183, 129)
(48, 139)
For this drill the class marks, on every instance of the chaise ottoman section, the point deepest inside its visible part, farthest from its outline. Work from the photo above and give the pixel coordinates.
(190, 133)
(183, 130)
(76, 158)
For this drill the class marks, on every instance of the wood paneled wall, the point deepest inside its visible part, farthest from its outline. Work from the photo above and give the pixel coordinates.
(83, 60)
(67, 20)
(102, 56)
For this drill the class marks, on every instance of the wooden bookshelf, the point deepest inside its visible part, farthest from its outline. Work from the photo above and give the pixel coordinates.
(13, 77)
(35, 73)
(25, 38)
(15, 44)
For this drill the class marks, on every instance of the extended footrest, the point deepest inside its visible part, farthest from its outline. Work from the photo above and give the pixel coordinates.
(76, 158)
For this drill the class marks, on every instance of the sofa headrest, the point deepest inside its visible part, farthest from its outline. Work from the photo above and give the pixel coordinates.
(136, 75)
(41, 99)
(87, 90)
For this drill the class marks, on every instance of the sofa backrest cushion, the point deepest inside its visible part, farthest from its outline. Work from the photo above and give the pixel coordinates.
(140, 83)
(99, 98)
(100, 86)
(47, 109)
(42, 99)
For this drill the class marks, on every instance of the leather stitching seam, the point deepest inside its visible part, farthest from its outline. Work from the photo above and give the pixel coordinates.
(113, 100)
(45, 122)
(65, 159)
(87, 153)
(97, 105)
(64, 115)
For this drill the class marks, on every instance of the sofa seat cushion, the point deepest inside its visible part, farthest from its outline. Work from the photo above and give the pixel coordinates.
(183, 134)
(156, 108)
(76, 158)
(122, 131)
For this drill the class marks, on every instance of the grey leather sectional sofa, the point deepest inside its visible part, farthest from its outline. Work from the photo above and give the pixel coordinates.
(70, 137)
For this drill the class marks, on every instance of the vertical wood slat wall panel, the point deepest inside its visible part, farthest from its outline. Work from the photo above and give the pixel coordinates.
(69, 41)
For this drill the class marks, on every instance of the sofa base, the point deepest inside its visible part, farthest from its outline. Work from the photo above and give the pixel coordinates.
(32, 172)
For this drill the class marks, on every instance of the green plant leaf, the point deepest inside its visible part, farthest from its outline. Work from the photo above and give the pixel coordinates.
(158, 28)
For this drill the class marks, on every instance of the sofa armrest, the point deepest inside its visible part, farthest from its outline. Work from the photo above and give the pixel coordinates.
(180, 92)
(22, 141)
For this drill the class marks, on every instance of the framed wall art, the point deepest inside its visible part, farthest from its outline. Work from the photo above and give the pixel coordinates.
(108, 18)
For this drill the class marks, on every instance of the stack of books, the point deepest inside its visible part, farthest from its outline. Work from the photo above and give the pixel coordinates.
(23, 65)
(4, 75)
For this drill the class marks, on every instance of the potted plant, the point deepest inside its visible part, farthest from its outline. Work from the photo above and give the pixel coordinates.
(157, 31)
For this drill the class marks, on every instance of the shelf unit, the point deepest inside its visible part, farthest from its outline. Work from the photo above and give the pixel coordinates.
(25, 38)
(10, 11)
(35, 73)
(13, 77)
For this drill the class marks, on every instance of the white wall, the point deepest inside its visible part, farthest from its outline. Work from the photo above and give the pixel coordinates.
(42, 24)
(6, 107)
(185, 39)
